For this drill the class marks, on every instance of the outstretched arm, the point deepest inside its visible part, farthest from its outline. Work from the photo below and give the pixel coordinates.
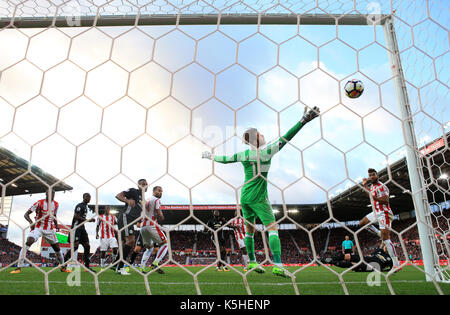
(224, 158)
(307, 117)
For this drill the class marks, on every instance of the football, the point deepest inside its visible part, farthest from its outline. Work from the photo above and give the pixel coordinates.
(354, 88)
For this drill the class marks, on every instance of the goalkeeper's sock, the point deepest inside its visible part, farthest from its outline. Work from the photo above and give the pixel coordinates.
(250, 246)
(275, 247)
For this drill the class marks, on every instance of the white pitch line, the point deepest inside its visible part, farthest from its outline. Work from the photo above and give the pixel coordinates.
(218, 283)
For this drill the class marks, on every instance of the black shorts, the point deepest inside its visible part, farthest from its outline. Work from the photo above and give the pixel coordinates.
(348, 251)
(221, 240)
(125, 220)
(80, 236)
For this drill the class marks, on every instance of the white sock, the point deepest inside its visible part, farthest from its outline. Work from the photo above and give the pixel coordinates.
(245, 259)
(59, 257)
(146, 256)
(391, 250)
(372, 229)
(161, 253)
(102, 262)
(23, 253)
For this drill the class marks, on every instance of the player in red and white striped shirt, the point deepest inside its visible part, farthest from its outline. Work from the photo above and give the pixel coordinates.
(381, 213)
(44, 226)
(238, 226)
(105, 226)
(150, 231)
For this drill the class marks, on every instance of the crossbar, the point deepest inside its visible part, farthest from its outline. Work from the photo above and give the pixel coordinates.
(192, 19)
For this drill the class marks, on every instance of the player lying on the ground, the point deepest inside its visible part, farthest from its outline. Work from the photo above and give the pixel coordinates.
(254, 198)
(379, 260)
(382, 215)
(81, 236)
(106, 224)
(45, 225)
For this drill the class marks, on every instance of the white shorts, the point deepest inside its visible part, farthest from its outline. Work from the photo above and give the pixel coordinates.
(48, 235)
(108, 242)
(240, 242)
(152, 233)
(384, 219)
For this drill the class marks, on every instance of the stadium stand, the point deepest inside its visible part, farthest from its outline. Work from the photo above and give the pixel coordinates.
(10, 251)
(295, 244)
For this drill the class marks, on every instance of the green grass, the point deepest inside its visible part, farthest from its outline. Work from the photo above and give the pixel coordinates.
(311, 280)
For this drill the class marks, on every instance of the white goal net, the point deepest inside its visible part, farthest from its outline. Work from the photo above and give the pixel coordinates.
(102, 93)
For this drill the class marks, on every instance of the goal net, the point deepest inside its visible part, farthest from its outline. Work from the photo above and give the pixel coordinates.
(102, 93)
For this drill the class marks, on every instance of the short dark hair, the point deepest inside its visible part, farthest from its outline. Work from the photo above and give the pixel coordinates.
(249, 134)
(86, 194)
(372, 170)
(142, 179)
(52, 192)
(156, 187)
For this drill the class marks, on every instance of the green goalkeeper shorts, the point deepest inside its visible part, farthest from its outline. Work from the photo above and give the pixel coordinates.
(262, 210)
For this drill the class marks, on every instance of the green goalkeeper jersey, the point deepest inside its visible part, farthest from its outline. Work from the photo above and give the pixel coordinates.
(256, 164)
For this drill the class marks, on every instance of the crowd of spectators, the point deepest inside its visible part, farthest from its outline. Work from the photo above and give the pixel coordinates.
(3, 231)
(9, 253)
(191, 247)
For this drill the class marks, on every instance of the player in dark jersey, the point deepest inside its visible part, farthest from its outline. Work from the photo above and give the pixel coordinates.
(215, 223)
(129, 216)
(379, 260)
(80, 234)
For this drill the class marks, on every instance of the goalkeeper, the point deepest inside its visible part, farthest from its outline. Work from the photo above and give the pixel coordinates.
(254, 199)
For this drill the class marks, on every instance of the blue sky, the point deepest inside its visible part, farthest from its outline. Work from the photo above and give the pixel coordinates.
(129, 102)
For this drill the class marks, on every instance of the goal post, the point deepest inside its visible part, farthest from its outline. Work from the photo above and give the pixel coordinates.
(418, 186)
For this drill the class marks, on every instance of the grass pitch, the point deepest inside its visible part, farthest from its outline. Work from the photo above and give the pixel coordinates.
(311, 280)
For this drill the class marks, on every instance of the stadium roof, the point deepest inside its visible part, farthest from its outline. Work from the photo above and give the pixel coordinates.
(352, 204)
(30, 178)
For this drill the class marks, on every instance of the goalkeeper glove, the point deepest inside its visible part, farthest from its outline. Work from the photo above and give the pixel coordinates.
(310, 115)
(207, 155)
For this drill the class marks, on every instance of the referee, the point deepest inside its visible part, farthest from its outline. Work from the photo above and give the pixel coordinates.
(347, 246)
(127, 218)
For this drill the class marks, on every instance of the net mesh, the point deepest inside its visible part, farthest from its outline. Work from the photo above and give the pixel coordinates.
(156, 96)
